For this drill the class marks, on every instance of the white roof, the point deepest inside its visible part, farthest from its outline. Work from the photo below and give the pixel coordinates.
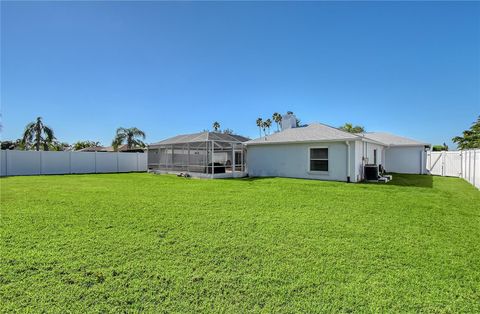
(392, 140)
(202, 137)
(315, 132)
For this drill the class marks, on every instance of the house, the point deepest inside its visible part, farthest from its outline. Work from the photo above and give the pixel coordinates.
(319, 151)
(93, 149)
(122, 148)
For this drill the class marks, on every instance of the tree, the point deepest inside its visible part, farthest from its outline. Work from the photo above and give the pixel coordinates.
(7, 144)
(228, 131)
(130, 136)
(439, 148)
(277, 118)
(216, 126)
(260, 125)
(266, 126)
(470, 138)
(298, 122)
(58, 146)
(38, 135)
(84, 144)
(10, 145)
(348, 127)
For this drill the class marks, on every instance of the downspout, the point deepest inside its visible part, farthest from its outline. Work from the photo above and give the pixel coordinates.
(348, 161)
(362, 170)
(363, 161)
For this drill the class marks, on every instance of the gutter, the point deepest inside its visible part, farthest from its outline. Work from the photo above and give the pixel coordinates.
(300, 142)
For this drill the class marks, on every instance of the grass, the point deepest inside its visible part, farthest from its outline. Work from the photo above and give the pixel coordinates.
(140, 242)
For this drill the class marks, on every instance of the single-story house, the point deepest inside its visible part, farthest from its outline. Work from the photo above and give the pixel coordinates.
(122, 148)
(319, 151)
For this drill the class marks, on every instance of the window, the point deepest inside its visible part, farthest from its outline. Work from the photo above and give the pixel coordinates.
(318, 159)
(375, 156)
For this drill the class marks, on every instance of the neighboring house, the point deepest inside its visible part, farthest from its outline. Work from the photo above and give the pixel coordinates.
(93, 149)
(122, 148)
(319, 151)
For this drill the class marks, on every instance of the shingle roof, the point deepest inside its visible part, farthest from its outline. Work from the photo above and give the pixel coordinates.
(311, 133)
(392, 140)
(201, 137)
(93, 149)
(121, 148)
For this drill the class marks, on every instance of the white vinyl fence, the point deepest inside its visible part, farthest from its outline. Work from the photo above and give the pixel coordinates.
(21, 163)
(462, 163)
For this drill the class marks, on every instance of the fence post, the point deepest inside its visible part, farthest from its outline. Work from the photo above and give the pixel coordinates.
(443, 163)
(6, 162)
(40, 157)
(429, 155)
(474, 165)
(461, 164)
(137, 161)
(118, 169)
(95, 155)
(470, 166)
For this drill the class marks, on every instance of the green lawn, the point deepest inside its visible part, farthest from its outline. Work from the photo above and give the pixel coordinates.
(141, 242)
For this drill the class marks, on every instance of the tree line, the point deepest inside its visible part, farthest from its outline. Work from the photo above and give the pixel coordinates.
(39, 136)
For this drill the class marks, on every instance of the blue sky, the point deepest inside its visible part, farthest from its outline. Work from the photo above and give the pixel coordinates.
(410, 68)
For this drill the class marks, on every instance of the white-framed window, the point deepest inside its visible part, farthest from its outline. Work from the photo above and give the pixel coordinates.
(318, 159)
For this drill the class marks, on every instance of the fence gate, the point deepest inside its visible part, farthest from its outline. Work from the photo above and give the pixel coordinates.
(462, 164)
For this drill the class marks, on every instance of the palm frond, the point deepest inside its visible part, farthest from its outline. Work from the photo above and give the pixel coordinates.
(118, 140)
(49, 133)
(121, 130)
(137, 132)
(138, 143)
(28, 133)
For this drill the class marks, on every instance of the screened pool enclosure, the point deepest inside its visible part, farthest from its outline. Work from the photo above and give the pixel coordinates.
(204, 154)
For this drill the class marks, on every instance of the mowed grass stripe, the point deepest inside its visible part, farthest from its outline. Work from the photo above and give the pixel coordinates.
(141, 242)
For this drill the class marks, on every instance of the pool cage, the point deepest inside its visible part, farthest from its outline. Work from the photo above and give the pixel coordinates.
(205, 155)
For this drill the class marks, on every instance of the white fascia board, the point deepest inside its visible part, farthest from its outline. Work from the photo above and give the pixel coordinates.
(303, 142)
(411, 145)
(374, 142)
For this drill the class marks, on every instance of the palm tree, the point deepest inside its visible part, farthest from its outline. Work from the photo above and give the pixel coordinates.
(260, 125)
(348, 127)
(84, 144)
(130, 136)
(470, 138)
(37, 134)
(216, 126)
(266, 125)
(277, 118)
(59, 146)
